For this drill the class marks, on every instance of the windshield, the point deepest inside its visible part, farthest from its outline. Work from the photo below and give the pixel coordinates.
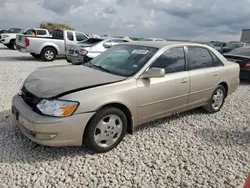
(14, 30)
(91, 41)
(124, 60)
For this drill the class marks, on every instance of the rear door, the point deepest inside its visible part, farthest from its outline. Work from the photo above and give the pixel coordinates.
(204, 75)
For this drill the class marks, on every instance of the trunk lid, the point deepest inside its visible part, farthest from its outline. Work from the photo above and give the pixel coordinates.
(240, 59)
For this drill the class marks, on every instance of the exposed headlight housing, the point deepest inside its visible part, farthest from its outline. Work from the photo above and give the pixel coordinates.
(83, 52)
(57, 108)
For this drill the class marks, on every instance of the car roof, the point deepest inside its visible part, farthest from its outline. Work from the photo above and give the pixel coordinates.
(161, 44)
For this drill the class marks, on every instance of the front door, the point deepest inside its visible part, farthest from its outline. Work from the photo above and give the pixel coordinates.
(158, 97)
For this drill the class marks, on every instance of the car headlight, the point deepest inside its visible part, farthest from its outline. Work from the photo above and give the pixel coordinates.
(5, 36)
(58, 108)
(82, 52)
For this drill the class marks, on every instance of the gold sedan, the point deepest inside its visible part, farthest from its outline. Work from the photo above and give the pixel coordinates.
(95, 104)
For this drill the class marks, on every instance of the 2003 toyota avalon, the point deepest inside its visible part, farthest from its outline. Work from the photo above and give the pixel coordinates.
(97, 103)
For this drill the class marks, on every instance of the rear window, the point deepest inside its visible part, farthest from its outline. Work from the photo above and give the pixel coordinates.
(92, 41)
(241, 51)
(57, 33)
(41, 32)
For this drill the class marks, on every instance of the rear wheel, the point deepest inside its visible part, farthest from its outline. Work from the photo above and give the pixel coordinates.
(105, 130)
(37, 56)
(48, 54)
(217, 100)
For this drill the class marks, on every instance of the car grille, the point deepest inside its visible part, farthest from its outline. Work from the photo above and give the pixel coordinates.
(29, 98)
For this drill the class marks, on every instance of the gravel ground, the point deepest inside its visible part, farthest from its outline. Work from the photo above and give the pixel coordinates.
(194, 150)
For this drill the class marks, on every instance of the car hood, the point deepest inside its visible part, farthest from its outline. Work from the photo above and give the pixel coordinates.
(61, 80)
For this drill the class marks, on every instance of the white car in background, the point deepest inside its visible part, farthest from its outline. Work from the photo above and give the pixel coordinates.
(84, 51)
(9, 38)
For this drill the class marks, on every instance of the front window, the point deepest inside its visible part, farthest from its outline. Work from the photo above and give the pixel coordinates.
(70, 36)
(80, 37)
(124, 60)
(172, 60)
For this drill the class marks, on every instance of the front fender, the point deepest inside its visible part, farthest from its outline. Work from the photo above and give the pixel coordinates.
(91, 100)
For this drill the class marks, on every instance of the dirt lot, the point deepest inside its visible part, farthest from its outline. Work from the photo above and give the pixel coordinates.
(194, 150)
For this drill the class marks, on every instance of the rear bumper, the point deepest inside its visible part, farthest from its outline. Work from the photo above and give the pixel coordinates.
(245, 74)
(22, 49)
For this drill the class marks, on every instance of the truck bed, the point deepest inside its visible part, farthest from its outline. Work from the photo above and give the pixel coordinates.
(36, 44)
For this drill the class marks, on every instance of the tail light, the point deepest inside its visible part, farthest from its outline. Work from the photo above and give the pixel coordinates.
(27, 42)
(247, 66)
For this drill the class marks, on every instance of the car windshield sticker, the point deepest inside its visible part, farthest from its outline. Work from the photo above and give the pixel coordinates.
(135, 65)
(139, 52)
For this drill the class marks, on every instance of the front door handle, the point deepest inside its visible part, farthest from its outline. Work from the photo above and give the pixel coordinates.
(184, 81)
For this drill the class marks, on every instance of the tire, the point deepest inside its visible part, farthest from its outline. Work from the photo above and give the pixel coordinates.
(114, 129)
(48, 54)
(12, 44)
(37, 56)
(215, 106)
(68, 60)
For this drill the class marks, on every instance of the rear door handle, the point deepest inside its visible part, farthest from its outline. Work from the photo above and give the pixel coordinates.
(215, 74)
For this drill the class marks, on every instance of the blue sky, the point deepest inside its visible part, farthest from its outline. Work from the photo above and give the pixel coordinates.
(179, 19)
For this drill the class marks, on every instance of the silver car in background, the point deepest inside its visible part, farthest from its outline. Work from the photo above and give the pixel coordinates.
(84, 51)
(152, 39)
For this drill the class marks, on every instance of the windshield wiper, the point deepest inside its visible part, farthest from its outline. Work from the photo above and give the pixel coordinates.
(101, 68)
(98, 67)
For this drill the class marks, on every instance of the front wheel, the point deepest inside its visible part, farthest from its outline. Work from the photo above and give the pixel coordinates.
(217, 100)
(12, 44)
(48, 54)
(105, 130)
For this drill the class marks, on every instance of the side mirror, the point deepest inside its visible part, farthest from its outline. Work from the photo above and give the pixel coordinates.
(154, 73)
(107, 44)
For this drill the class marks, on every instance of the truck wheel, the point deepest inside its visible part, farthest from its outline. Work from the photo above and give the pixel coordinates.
(68, 60)
(12, 44)
(48, 54)
(37, 56)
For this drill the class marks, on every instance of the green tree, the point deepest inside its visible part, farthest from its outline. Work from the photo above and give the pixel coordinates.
(51, 26)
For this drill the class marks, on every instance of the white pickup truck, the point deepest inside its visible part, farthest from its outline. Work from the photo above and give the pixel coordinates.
(48, 48)
(9, 37)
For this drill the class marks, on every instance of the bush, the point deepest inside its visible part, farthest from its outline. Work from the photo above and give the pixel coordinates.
(51, 26)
